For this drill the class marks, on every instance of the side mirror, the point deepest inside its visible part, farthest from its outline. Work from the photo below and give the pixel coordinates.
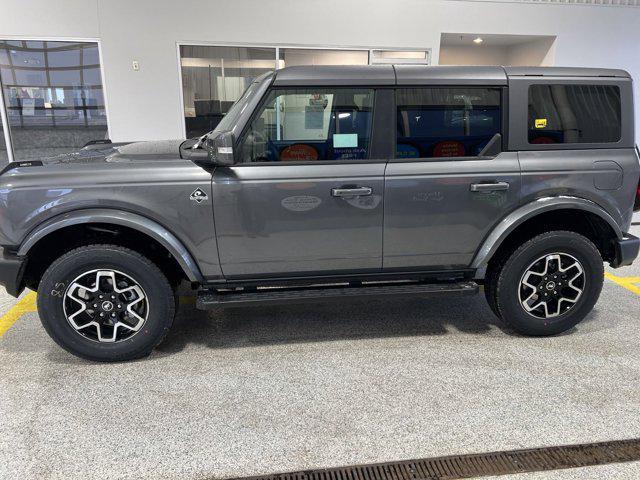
(220, 149)
(190, 149)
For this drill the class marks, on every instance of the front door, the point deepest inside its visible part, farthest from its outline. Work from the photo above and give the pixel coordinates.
(305, 197)
(443, 194)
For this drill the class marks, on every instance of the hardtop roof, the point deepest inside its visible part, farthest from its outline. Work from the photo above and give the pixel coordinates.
(379, 75)
(566, 72)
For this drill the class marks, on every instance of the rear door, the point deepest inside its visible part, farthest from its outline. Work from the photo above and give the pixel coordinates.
(306, 197)
(444, 190)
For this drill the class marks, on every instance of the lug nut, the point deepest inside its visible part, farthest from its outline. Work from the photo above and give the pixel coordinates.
(113, 314)
(100, 296)
(101, 314)
(119, 306)
(95, 305)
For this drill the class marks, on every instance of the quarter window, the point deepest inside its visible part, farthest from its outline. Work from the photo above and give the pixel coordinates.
(574, 114)
(446, 122)
(303, 124)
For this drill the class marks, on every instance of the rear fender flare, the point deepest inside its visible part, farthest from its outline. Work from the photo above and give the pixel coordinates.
(509, 223)
(118, 217)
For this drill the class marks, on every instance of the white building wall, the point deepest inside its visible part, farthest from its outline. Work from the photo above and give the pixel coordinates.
(145, 104)
(472, 55)
(537, 52)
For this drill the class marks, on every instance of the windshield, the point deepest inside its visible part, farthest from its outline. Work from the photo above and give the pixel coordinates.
(237, 108)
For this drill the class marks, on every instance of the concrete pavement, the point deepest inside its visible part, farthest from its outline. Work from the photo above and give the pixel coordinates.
(269, 389)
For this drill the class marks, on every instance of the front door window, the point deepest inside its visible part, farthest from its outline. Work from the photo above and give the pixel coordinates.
(310, 125)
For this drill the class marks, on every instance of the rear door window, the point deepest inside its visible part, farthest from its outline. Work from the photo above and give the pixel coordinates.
(310, 124)
(562, 113)
(437, 122)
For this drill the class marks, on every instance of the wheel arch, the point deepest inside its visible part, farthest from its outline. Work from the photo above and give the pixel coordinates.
(543, 215)
(88, 218)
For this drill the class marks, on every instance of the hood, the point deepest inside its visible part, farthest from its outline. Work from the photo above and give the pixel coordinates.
(121, 152)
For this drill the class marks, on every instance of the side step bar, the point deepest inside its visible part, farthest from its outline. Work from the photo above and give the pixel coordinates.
(214, 298)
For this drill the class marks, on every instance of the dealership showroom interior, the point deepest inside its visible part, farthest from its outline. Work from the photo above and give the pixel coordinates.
(319, 239)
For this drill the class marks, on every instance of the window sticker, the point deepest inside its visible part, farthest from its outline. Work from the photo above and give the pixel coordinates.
(449, 148)
(298, 152)
(407, 151)
(349, 153)
(314, 117)
(541, 123)
(345, 140)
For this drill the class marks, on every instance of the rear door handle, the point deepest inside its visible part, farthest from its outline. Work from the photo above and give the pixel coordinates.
(489, 187)
(351, 191)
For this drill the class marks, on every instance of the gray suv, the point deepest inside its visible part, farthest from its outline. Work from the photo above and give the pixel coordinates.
(330, 183)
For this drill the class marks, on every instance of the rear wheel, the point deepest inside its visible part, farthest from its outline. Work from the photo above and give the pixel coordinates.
(106, 303)
(548, 284)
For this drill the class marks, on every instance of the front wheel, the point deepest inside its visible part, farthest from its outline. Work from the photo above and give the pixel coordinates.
(548, 284)
(105, 303)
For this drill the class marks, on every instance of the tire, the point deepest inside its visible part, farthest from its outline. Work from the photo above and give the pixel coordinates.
(558, 300)
(144, 305)
(490, 284)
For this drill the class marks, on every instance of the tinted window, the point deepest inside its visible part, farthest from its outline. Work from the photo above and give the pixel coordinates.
(574, 114)
(303, 124)
(446, 122)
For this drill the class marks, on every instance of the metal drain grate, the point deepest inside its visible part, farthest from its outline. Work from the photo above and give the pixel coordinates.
(478, 464)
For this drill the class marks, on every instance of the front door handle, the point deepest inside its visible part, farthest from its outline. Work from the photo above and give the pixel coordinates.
(489, 187)
(351, 191)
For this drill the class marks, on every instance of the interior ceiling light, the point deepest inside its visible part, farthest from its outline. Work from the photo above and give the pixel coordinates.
(478, 40)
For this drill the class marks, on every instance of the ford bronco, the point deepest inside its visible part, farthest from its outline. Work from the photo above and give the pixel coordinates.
(330, 183)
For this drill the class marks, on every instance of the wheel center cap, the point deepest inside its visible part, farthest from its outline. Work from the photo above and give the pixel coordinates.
(551, 285)
(107, 306)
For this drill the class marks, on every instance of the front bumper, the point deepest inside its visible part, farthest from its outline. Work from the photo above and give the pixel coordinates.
(11, 272)
(626, 250)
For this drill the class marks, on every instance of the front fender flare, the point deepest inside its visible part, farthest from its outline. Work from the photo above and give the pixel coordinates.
(118, 217)
(508, 224)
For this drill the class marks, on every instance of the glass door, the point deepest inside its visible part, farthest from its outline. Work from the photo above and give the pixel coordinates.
(53, 96)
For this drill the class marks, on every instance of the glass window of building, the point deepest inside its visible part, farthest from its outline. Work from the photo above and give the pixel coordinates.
(290, 57)
(53, 96)
(213, 78)
(415, 57)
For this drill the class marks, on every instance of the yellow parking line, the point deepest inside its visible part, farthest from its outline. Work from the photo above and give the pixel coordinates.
(24, 305)
(626, 282)
(28, 304)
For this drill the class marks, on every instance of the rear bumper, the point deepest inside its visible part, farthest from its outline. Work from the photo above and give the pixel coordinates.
(626, 250)
(11, 273)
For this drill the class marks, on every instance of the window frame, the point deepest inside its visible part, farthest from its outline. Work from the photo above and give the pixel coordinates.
(504, 122)
(374, 146)
(519, 112)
